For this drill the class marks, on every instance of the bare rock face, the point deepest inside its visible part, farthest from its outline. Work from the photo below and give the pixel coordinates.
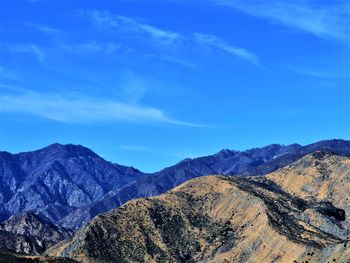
(30, 234)
(296, 214)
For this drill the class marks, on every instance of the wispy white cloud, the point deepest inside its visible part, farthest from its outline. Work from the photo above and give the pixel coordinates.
(79, 109)
(105, 19)
(133, 87)
(45, 29)
(134, 148)
(31, 49)
(322, 71)
(178, 61)
(327, 20)
(224, 46)
(91, 47)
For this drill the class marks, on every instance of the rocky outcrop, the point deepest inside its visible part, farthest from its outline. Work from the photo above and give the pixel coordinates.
(230, 219)
(19, 243)
(30, 234)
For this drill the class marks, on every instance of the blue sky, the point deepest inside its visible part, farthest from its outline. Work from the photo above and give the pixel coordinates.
(148, 83)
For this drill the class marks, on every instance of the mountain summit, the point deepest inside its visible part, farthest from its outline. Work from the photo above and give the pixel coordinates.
(56, 180)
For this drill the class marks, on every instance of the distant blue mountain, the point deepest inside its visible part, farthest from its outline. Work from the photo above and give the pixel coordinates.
(56, 180)
(70, 184)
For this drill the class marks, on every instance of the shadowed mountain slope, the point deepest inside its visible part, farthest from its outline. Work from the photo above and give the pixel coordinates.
(296, 214)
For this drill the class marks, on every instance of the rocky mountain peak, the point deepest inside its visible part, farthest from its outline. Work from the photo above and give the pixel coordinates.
(65, 150)
(226, 153)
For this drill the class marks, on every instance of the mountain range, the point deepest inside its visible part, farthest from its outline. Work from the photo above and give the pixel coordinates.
(70, 184)
(296, 214)
(271, 204)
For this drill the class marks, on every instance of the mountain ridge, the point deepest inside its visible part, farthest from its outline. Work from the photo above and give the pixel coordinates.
(70, 184)
(242, 163)
(229, 219)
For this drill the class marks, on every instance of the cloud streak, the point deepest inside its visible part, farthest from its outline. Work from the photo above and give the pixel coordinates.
(219, 43)
(122, 24)
(82, 110)
(92, 47)
(134, 148)
(45, 29)
(104, 19)
(328, 21)
(31, 49)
